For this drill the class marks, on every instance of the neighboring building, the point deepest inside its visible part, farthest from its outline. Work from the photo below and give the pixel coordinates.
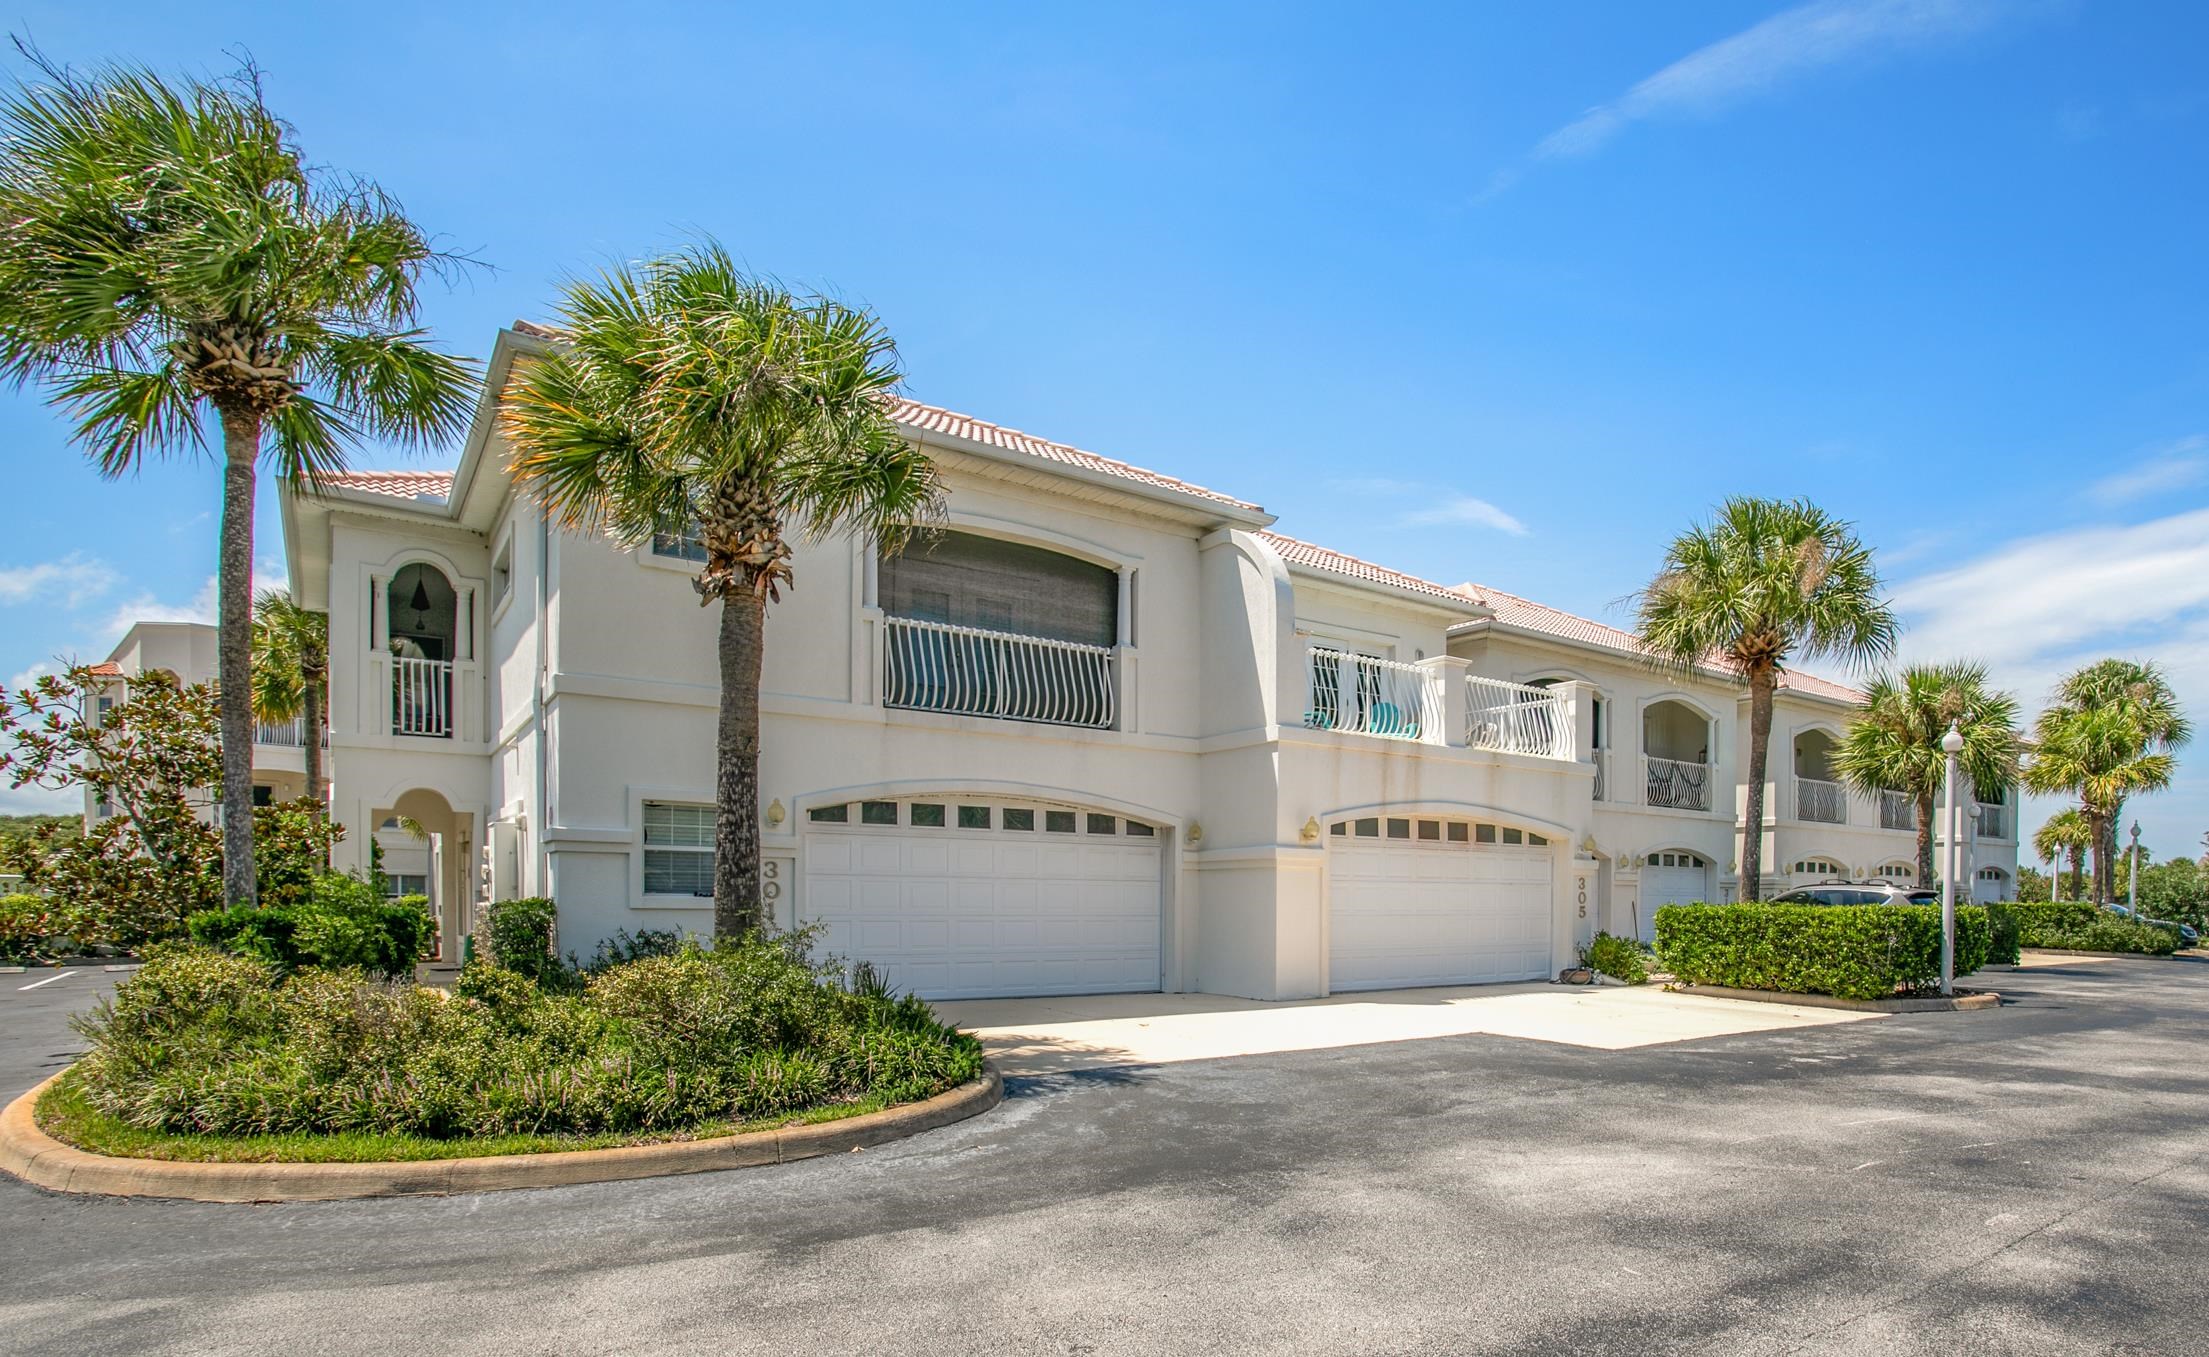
(1107, 731)
(187, 650)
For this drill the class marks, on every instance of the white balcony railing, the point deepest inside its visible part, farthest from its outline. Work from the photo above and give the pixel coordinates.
(933, 666)
(421, 696)
(1897, 811)
(1372, 696)
(1822, 802)
(1517, 719)
(1677, 784)
(1602, 764)
(290, 734)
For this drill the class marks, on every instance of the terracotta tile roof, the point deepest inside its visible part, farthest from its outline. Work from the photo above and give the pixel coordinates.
(936, 419)
(1314, 557)
(1526, 614)
(107, 669)
(406, 485)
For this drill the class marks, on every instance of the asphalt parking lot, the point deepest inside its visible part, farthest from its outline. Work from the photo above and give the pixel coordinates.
(2022, 1181)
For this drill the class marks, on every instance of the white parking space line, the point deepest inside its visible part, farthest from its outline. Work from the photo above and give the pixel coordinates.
(47, 981)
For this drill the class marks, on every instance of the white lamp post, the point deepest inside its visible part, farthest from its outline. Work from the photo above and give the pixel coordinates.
(2132, 885)
(1951, 744)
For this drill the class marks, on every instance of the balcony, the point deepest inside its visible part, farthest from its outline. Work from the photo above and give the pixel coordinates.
(421, 697)
(1677, 785)
(1897, 811)
(1372, 696)
(966, 671)
(290, 734)
(1821, 802)
(1513, 718)
(1993, 822)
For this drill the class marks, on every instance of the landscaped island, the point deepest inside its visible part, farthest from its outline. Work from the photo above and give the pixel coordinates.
(207, 1055)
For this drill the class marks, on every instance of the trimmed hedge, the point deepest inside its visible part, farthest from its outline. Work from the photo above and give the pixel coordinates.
(2005, 935)
(341, 925)
(1617, 957)
(1849, 951)
(2074, 926)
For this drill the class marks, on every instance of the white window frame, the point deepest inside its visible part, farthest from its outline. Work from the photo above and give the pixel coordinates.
(645, 847)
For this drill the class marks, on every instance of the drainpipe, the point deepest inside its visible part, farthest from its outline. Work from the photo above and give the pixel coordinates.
(541, 814)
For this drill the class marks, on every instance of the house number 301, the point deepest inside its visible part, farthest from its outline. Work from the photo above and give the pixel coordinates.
(770, 885)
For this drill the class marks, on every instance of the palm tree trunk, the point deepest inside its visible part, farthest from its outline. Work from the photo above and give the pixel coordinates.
(736, 767)
(2078, 874)
(1761, 683)
(2099, 825)
(241, 441)
(313, 755)
(1925, 837)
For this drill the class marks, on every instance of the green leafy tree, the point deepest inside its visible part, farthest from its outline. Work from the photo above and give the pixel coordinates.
(291, 673)
(1894, 743)
(684, 397)
(2065, 835)
(1764, 583)
(171, 259)
(150, 758)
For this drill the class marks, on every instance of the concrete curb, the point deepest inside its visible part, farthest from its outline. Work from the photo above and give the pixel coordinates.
(1962, 1003)
(2110, 956)
(37, 1158)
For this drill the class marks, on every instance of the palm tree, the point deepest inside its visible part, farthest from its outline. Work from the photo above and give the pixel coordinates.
(291, 672)
(1763, 582)
(684, 397)
(170, 258)
(2142, 692)
(1894, 744)
(2100, 754)
(2066, 834)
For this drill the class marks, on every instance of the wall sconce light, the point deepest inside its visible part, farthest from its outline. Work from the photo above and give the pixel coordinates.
(775, 812)
(1196, 834)
(1310, 832)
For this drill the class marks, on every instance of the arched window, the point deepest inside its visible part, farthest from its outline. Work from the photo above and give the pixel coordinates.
(1819, 867)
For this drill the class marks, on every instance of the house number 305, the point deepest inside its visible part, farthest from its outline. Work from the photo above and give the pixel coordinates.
(1581, 884)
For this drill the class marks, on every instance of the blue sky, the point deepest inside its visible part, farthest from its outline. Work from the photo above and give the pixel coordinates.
(1508, 294)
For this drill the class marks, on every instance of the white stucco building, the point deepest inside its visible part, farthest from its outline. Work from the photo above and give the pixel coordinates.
(1108, 731)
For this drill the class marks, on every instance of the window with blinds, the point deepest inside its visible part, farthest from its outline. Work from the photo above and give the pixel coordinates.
(970, 581)
(678, 849)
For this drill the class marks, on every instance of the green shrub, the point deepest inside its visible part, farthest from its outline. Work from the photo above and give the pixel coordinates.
(208, 1043)
(31, 924)
(625, 946)
(2105, 932)
(1617, 957)
(2040, 919)
(340, 924)
(2005, 935)
(522, 936)
(1851, 951)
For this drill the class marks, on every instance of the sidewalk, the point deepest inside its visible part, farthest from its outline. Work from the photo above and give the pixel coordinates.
(1057, 1035)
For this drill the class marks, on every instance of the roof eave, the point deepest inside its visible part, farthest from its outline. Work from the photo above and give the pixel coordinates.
(1416, 597)
(1217, 512)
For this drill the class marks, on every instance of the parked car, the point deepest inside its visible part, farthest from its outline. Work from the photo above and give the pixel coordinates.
(2187, 933)
(1858, 893)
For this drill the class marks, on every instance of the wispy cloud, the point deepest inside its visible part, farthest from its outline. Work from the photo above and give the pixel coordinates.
(1465, 511)
(147, 607)
(69, 581)
(2172, 467)
(1786, 47)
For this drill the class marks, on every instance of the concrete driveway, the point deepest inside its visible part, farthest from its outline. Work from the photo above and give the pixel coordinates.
(2029, 1180)
(1104, 1031)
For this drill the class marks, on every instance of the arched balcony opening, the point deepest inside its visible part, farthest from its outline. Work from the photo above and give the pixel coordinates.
(1675, 744)
(1819, 795)
(423, 619)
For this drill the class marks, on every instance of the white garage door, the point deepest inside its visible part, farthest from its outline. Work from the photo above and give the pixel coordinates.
(1436, 902)
(971, 899)
(1670, 879)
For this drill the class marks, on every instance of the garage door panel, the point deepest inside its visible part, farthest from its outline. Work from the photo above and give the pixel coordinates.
(952, 916)
(1407, 914)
